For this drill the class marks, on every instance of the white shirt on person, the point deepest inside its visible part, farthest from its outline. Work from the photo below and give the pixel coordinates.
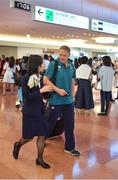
(106, 74)
(17, 66)
(46, 63)
(83, 71)
(6, 65)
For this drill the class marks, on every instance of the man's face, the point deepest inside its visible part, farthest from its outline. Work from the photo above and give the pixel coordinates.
(63, 55)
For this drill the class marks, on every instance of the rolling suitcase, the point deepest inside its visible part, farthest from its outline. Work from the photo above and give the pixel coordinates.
(58, 129)
(59, 126)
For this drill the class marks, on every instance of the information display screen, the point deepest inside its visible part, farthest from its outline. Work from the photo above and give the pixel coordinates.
(104, 27)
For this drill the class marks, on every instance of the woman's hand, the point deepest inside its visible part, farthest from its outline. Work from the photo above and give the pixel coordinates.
(46, 88)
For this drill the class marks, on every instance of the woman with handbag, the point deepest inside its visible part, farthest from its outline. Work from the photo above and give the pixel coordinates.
(34, 123)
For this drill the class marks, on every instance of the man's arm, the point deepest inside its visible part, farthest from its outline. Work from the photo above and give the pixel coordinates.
(61, 92)
(73, 82)
(73, 87)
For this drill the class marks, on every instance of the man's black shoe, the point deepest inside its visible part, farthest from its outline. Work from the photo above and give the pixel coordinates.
(112, 100)
(73, 152)
(102, 114)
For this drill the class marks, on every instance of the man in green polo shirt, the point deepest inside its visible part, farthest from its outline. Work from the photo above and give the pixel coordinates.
(61, 102)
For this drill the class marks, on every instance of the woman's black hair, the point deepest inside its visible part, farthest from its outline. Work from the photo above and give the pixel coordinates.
(34, 62)
(84, 60)
(7, 59)
(17, 61)
(11, 62)
(106, 61)
(45, 56)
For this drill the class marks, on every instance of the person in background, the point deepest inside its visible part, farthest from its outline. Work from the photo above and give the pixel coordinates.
(8, 76)
(76, 63)
(34, 123)
(0, 67)
(46, 61)
(61, 101)
(105, 75)
(19, 102)
(111, 96)
(90, 62)
(116, 79)
(6, 61)
(6, 64)
(84, 95)
(24, 65)
(2, 62)
(50, 58)
(17, 66)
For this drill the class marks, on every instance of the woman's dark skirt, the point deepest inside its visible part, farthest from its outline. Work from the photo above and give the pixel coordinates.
(84, 95)
(34, 126)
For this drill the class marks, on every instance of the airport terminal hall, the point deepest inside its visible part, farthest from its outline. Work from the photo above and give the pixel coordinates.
(59, 89)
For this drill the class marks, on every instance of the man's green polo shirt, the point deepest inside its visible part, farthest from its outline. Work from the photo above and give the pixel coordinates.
(64, 78)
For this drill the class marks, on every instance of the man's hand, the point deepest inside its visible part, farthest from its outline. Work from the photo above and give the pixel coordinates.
(62, 92)
(46, 88)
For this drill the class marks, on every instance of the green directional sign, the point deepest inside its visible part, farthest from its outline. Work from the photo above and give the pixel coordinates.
(61, 18)
(49, 15)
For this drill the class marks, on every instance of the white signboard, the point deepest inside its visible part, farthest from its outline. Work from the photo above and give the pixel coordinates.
(104, 27)
(62, 18)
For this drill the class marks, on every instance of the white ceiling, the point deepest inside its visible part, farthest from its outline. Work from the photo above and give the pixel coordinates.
(19, 22)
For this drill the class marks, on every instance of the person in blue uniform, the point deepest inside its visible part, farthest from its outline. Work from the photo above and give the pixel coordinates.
(34, 123)
(61, 101)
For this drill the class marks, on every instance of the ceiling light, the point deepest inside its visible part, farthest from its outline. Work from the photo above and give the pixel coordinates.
(29, 41)
(75, 42)
(104, 40)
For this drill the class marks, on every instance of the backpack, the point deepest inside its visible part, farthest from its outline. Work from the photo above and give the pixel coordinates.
(59, 126)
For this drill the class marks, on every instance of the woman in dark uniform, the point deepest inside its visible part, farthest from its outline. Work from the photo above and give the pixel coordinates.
(34, 123)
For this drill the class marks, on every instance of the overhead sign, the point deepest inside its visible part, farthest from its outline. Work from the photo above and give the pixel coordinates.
(104, 27)
(61, 18)
(20, 5)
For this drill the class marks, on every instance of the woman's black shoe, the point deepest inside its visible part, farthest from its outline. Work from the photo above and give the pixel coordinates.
(16, 150)
(43, 164)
